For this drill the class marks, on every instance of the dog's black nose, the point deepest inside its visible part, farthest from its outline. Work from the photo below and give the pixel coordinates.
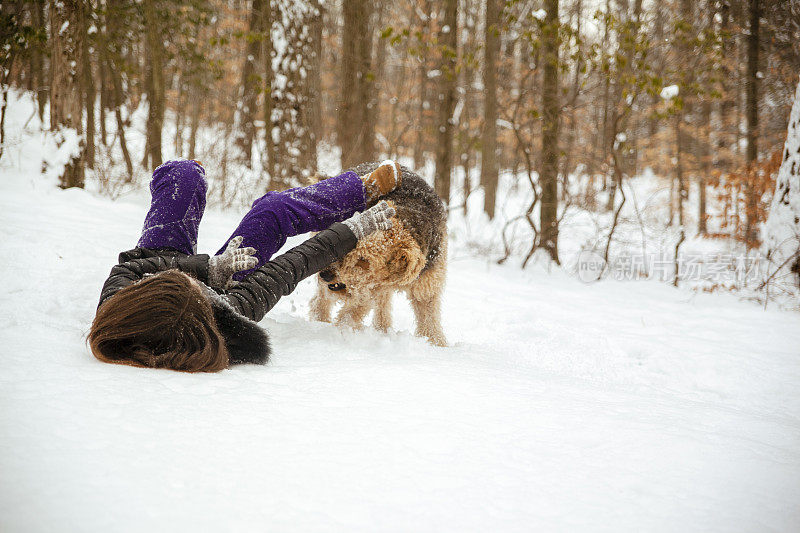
(327, 275)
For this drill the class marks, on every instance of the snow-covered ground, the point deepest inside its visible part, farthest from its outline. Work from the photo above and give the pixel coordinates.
(559, 406)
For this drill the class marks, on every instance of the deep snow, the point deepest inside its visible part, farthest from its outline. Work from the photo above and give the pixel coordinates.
(560, 406)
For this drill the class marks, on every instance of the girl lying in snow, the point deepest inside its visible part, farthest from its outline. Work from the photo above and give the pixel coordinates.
(164, 307)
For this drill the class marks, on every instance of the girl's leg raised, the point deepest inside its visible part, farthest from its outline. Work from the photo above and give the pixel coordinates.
(278, 215)
(178, 190)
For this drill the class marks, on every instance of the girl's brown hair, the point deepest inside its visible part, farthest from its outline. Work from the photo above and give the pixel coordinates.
(164, 321)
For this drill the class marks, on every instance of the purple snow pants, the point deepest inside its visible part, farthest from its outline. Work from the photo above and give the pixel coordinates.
(178, 190)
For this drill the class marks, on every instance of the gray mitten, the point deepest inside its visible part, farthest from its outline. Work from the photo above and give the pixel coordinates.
(221, 268)
(377, 217)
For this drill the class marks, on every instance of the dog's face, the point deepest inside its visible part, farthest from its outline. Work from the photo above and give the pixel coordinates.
(386, 258)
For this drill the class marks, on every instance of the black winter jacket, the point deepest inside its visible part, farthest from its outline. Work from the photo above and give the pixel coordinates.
(237, 310)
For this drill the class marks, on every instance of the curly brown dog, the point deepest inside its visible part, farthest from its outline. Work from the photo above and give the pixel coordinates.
(410, 257)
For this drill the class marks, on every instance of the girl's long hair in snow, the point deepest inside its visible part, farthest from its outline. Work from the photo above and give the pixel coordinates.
(164, 321)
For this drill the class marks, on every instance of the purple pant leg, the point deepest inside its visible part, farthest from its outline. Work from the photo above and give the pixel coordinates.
(278, 215)
(178, 190)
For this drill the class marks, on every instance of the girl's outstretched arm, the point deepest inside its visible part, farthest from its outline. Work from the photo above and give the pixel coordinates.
(261, 290)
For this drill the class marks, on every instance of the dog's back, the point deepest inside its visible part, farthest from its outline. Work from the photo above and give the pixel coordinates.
(418, 207)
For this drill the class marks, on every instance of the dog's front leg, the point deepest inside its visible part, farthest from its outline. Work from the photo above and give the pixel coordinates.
(321, 304)
(382, 320)
(352, 313)
(428, 314)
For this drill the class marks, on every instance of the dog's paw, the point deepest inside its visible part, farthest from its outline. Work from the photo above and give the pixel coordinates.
(438, 340)
(320, 309)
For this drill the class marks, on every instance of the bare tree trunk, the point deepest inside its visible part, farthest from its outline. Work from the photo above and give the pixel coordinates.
(422, 73)
(379, 46)
(3, 120)
(66, 104)
(40, 80)
(574, 93)
(226, 133)
(269, 76)
(154, 81)
(8, 58)
(109, 58)
(728, 101)
(3, 109)
(120, 123)
(88, 86)
(291, 146)
(356, 134)
(619, 111)
(705, 119)
(448, 42)
(658, 37)
(249, 84)
(548, 177)
(604, 141)
(179, 118)
(706, 167)
(489, 167)
(315, 77)
(193, 125)
(679, 179)
(104, 99)
(672, 200)
(684, 115)
(751, 229)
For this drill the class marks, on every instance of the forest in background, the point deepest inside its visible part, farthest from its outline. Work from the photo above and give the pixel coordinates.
(569, 99)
